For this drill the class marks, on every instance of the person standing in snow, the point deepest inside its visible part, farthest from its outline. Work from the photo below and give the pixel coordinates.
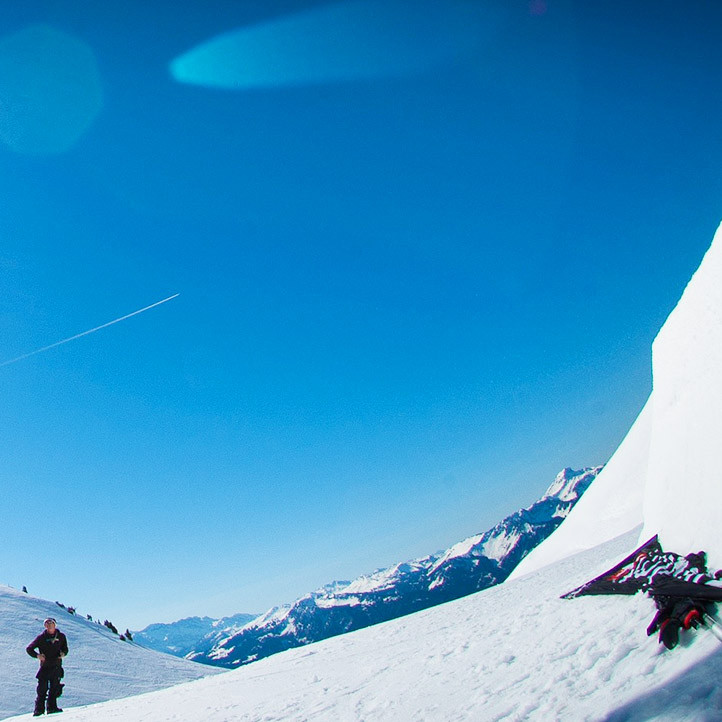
(49, 648)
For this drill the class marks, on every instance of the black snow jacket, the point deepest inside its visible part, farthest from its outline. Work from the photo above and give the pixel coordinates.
(52, 646)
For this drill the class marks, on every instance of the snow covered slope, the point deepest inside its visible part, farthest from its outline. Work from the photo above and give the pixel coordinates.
(512, 652)
(683, 494)
(99, 666)
(665, 475)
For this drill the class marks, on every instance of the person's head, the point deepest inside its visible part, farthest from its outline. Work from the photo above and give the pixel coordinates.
(50, 625)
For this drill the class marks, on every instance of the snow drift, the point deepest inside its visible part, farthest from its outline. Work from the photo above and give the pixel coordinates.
(664, 475)
(683, 489)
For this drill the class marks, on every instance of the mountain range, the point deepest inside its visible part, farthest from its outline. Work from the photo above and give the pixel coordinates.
(476, 563)
(184, 636)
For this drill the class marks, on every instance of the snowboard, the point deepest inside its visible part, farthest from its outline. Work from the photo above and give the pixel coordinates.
(650, 569)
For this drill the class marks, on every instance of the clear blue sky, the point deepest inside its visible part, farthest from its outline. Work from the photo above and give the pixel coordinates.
(411, 291)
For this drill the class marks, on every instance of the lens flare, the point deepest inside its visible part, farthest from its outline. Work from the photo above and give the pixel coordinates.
(355, 40)
(50, 90)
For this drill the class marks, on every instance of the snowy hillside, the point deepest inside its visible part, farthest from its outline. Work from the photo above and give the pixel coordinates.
(684, 447)
(476, 563)
(664, 475)
(98, 667)
(513, 652)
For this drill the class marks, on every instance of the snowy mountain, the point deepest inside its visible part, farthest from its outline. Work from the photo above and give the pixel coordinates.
(184, 636)
(476, 563)
(99, 665)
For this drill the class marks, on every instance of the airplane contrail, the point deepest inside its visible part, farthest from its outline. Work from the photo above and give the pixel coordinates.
(85, 333)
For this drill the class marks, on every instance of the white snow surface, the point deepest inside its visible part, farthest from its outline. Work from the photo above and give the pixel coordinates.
(98, 667)
(665, 475)
(380, 580)
(513, 652)
(500, 545)
(684, 489)
(459, 549)
(564, 487)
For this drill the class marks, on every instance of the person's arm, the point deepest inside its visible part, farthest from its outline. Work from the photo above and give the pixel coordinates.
(63, 646)
(30, 649)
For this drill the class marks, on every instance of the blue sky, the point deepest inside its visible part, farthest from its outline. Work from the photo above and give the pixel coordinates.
(409, 296)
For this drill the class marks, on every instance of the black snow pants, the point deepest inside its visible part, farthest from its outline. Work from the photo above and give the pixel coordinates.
(49, 686)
